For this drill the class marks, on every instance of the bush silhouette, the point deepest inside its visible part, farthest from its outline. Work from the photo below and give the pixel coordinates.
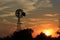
(23, 35)
(26, 34)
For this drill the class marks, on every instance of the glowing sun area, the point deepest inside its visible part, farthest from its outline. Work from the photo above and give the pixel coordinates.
(47, 29)
(48, 32)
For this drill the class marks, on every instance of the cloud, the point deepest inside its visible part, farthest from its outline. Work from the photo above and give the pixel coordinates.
(8, 6)
(44, 4)
(51, 15)
(8, 14)
(56, 5)
(2, 8)
(30, 5)
(34, 19)
(41, 20)
(5, 21)
(27, 4)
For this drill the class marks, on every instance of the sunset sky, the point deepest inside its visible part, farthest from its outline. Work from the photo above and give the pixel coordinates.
(40, 15)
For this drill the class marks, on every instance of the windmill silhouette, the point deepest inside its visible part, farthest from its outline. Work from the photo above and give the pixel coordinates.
(19, 14)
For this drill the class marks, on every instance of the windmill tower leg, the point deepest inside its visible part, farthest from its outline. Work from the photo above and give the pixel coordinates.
(18, 25)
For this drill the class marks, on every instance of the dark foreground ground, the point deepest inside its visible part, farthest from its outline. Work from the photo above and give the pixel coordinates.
(27, 35)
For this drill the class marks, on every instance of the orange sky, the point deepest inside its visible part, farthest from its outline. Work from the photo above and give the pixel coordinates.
(53, 29)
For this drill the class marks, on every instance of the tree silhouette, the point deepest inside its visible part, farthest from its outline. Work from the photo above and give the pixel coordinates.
(26, 34)
(42, 36)
(58, 33)
(23, 35)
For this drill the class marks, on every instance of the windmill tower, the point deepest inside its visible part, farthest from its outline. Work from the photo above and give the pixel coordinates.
(19, 14)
